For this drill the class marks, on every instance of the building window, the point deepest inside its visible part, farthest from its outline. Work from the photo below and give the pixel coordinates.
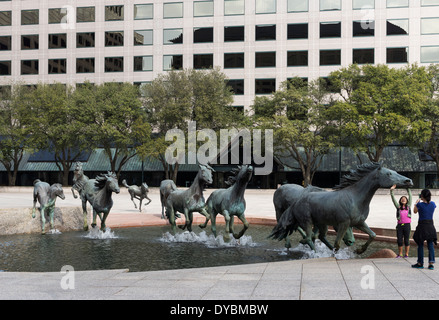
(298, 5)
(5, 43)
(85, 14)
(233, 34)
(233, 60)
(237, 86)
(397, 55)
(233, 7)
(85, 65)
(203, 61)
(329, 5)
(5, 68)
(56, 15)
(30, 42)
(173, 10)
(85, 40)
(430, 26)
(265, 6)
(114, 13)
(143, 11)
(426, 3)
(5, 18)
(114, 38)
(297, 31)
(114, 64)
(363, 56)
(297, 58)
(267, 32)
(172, 36)
(57, 66)
(430, 54)
(58, 41)
(203, 8)
(202, 35)
(363, 29)
(265, 59)
(397, 3)
(363, 4)
(330, 29)
(143, 37)
(30, 17)
(265, 86)
(397, 27)
(29, 67)
(172, 62)
(330, 57)
(143, 63)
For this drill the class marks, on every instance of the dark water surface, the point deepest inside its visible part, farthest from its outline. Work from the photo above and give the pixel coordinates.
(153, 248)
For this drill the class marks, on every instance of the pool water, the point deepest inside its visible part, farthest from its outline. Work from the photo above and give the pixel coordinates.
(154, 248)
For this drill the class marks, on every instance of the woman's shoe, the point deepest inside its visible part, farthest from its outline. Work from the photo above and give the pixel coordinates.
(431, 267)
(406, 256)
(418, 266)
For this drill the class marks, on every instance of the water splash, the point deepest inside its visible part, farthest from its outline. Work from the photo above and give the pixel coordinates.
(96, 233)
(322, 251)
(54, 231)
(209, 240)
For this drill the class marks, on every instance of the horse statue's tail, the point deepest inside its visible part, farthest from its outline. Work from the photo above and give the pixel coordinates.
(124, 182)
(286, 225)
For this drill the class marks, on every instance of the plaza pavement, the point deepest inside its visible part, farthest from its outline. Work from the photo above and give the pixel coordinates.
(326, 278)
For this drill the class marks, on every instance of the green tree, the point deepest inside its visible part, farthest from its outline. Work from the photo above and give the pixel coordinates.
(117, 122)
(177, 97)
(296, 113)
(55, 126)
(14, 137)
(379, 105)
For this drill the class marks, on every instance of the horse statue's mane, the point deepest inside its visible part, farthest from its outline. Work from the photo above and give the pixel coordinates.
(356, 175)
(102, 179)
(232, 179)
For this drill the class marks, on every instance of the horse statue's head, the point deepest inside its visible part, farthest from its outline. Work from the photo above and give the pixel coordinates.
(144, 188)
(388, 178)
(78, 167)
(241, 173)
(57, 191)
(109, 181)
(205, 173)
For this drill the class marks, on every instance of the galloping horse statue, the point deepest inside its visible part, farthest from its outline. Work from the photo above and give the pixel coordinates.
(98, 193)
(347, 206)
(230, 202)
(190, 200)
(138, 193)
(166, 187)
(287, 195)
(46, 195)
(79, 179)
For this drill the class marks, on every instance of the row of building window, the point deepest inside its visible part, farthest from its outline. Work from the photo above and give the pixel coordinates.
(231, 61)
(231, 34)
(200, 9)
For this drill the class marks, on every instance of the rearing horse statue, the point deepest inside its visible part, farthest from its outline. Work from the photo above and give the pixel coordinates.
(230, 202)
(190, 200)
(347, 206)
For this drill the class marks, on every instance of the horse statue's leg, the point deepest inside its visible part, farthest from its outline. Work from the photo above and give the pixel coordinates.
(73, 192)
(171, 216)
(365, 228)
(51, 215)
(226, 215)
(84, 212)
(132, 199)
(207, 213)
(308, 237)
(43, 219)
(95, 213)
(323, 230)
(140, 204)
(246, 224)
(149, 200)
(103, 219)
(35, 206)
(342, 229)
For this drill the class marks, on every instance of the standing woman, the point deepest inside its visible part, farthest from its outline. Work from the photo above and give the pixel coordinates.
(425, 231)
(403, 215)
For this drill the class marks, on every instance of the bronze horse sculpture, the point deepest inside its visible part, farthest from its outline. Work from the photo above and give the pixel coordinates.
(347, 206)
(138, 193)
(287, 195)
(46, 195)
(98, 193)
(230, 202)
(190, 200)
(79, 179)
